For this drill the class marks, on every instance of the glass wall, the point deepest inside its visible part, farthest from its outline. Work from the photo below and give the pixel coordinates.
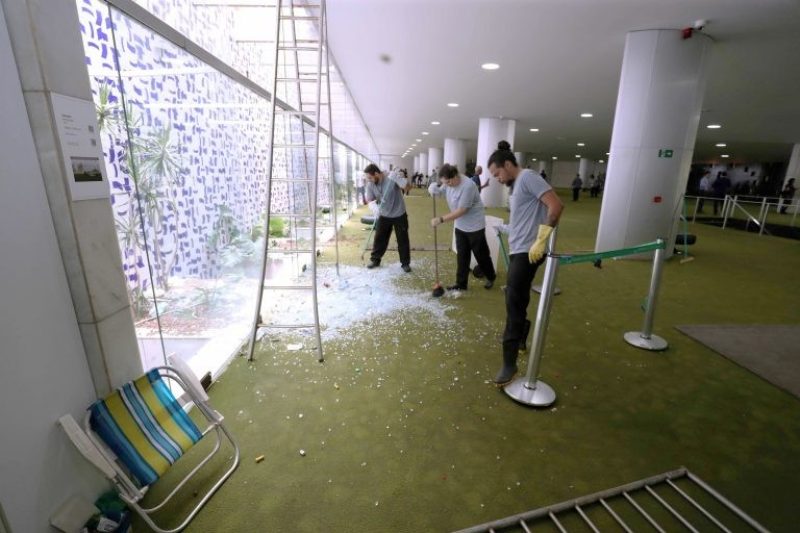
(185, 150)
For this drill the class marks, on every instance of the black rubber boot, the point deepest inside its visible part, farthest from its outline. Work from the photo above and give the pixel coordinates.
(509, 368)
(523, 345)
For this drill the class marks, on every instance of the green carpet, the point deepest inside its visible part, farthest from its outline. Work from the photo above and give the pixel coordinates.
(402, 432)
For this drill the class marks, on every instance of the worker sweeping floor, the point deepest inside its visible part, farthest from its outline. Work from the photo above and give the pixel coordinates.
(400, 430)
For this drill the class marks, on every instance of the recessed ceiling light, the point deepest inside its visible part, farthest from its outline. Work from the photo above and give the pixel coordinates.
(435, 122)
(554, 157)
(534, 130)
(714, 126)
(720, 145)
(725, 156)
(581, 144)
(452, 104)
(418, 140)
(490, 66)
(577, 155)
(413, 145)
(534, 159)
(607, 153)
(586, 115)
(424, 132)
(601, 161)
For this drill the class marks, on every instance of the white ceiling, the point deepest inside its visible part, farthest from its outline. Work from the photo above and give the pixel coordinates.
(559, 58)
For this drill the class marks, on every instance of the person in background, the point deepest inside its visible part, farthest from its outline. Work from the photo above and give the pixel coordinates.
(535, 211)
(576, 187)
(593, 188)
(704, 189)
(476, 178)
(360, 189)
(467, 212)
(387, 190)
(720, 187)
(787, 194)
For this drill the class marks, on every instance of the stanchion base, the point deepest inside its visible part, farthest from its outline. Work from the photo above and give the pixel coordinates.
(538, 394)
(538, 289)
(654, 343)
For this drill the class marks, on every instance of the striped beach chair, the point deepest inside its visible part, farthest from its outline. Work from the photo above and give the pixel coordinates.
(137, 433)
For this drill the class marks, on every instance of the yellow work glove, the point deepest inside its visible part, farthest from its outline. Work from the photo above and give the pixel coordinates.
(540, 244)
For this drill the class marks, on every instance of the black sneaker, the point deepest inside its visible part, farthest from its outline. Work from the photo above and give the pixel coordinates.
(456, 288)
(406, 268)
(374, 264)
(489, 284)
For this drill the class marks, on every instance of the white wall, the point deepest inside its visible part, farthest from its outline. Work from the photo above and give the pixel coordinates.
(43, 369)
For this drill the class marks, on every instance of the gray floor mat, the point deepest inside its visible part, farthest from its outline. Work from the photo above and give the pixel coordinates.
(772, 352)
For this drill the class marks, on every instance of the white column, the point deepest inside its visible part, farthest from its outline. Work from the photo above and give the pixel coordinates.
(455, 153)
(415, 166)
(521, 158)
(658, 111)
(793, 171)
(490, 132)
(434, 159)
(543, 167)
(585, 167)
(423, 163)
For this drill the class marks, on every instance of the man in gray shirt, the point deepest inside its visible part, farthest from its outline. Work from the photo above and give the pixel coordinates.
(387, 190)
(535, 210)
(466, 209)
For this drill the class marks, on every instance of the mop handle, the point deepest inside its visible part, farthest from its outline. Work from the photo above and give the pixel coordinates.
(435, 242)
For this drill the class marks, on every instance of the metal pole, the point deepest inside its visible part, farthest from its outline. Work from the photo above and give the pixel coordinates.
(762, 219)
(529, 390)
(551, 249)
(725, 211)
(645, 339)
(696, 204)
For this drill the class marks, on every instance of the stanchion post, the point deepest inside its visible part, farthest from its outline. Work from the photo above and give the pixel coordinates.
(530, 390)
(645, 339)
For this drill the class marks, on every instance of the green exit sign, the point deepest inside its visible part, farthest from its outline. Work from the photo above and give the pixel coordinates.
(664, 152)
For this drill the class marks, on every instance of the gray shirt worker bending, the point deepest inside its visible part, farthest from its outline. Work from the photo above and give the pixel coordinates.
(535, 210)
(466, 209)
(387, 191)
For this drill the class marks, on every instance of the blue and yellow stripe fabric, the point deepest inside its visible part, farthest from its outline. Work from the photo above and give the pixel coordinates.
(145, 426)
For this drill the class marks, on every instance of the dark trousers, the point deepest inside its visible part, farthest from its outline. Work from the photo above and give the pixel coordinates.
(472, 242)
(518, 294)
(383, 230)
(575, 194)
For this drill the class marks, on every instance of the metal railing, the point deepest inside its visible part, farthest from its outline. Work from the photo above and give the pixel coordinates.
(755, 212)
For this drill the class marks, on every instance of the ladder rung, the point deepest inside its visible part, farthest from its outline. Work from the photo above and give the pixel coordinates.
(290, 180)
(299, 17)
(287, 326)
(294, 145)
(289, 287)
(293, 112)
(290, 215)
(297, 80)
(299, 48)
(273, 251)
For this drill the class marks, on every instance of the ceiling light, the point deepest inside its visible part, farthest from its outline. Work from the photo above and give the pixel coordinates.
(607, 153)
(418, 140)
(534, 159)
(581, 144)
(577, 155)
(452, 104)
(490, 66)
(424, 132)
(720, 145)
(601, 161)
(725, 156)
(435, 122)
(714, 126)
(554, 157)
(586, 115)
(534, 130)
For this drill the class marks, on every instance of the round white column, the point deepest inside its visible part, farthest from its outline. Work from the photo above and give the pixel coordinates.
(655, 125)
(793, 171)
(490, 132)
(543, 167)
(423, 163)
(455, 153)
(434, 159)
(416, 163)
(585, 167)
(521, 158)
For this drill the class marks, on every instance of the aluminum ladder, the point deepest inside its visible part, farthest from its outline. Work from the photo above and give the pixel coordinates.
(297, 138)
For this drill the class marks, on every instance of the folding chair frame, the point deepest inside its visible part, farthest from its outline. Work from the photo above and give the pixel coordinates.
(95, 450)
